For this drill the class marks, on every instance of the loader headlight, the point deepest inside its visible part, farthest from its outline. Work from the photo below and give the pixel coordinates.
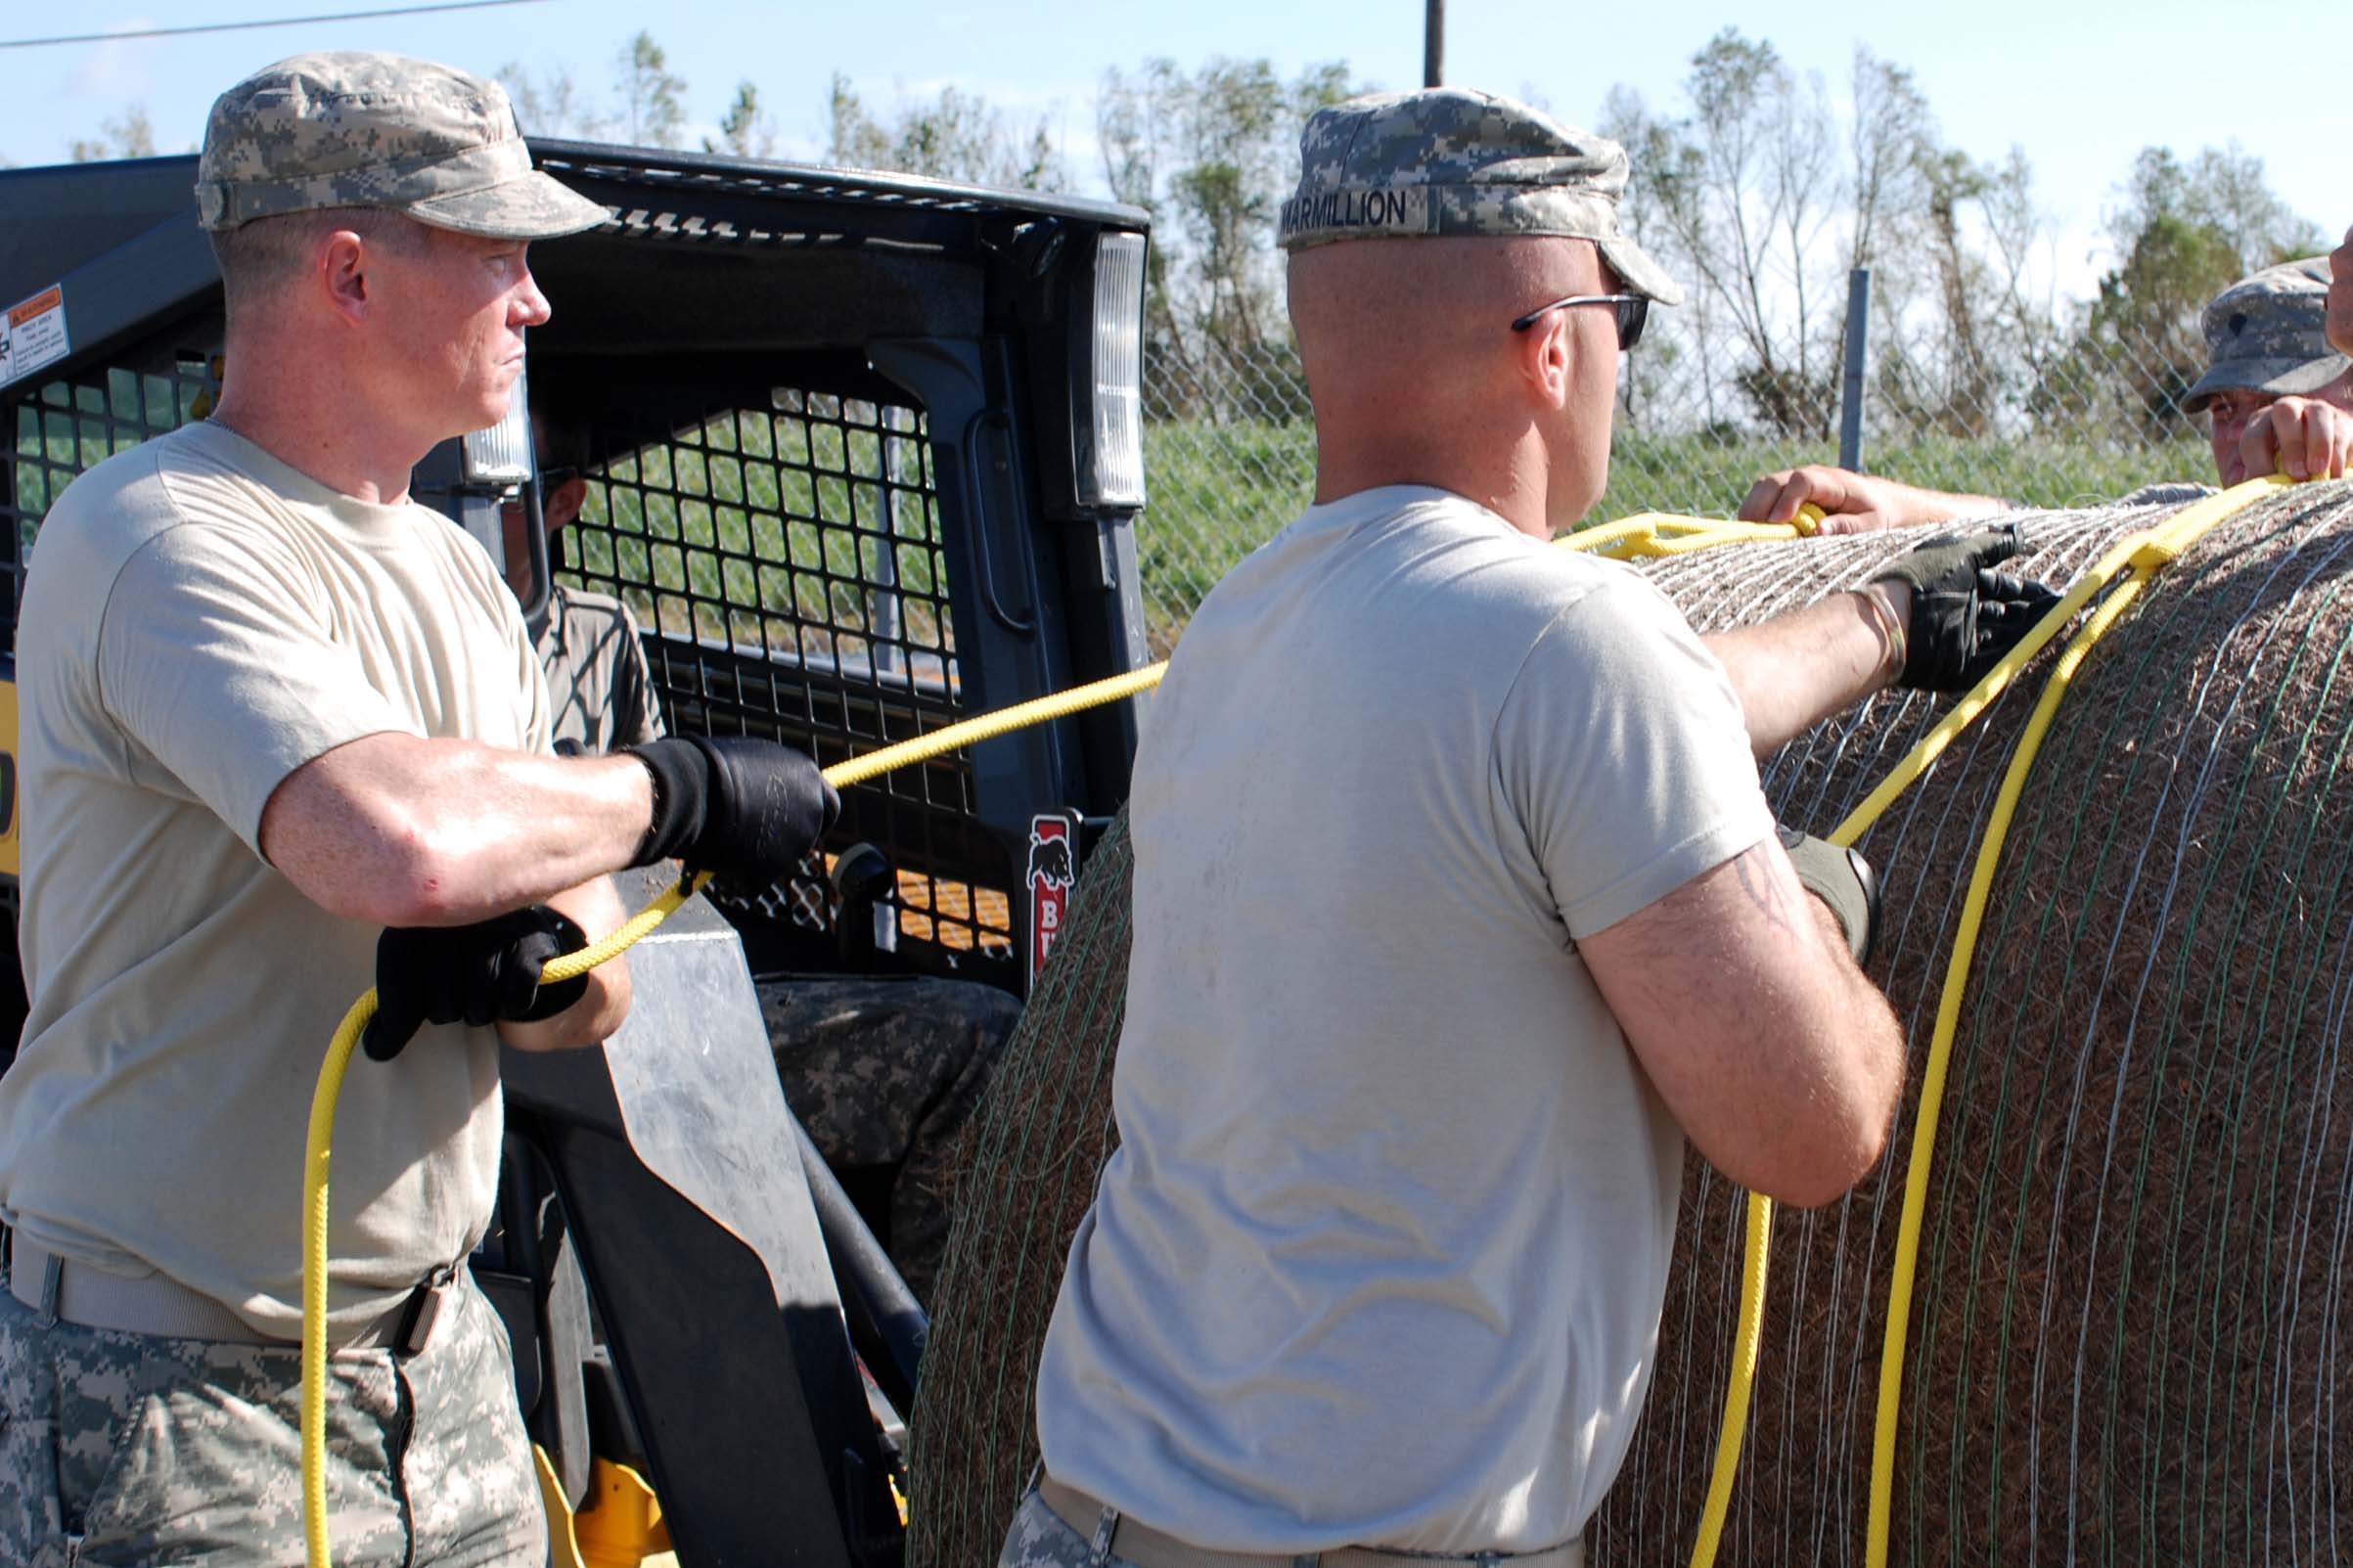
(501, 455)
(1110, 429)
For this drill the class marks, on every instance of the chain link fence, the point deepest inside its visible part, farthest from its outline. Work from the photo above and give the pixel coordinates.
(1229, 439)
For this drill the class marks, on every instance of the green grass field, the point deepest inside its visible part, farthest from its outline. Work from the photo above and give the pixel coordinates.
(1217, 492)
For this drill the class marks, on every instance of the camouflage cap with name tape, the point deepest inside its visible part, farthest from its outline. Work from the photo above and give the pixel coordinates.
(1449, 162)
(2268, 333)
(374, 130)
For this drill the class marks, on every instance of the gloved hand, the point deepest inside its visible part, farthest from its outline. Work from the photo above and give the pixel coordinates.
(1841, 879)
(1965, 615)
(474, 974)
(743, 808)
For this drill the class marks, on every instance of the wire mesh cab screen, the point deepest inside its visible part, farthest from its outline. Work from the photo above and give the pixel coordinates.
(59, 429)
(760, 495)
(785, 565)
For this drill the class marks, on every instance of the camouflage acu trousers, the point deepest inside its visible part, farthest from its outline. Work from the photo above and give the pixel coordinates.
(886, 1074)
(124, 1449)
(1039, 1539)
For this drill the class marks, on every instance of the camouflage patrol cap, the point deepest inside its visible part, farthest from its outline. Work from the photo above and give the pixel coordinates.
(2268, 333)
(356, 129)
(1447, 161)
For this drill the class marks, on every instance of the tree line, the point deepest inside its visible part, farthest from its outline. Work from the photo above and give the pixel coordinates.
(1209, 152)
(1761, 195)
(1753, 187)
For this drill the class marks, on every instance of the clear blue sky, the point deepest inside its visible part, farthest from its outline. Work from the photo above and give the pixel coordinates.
(2081, 84)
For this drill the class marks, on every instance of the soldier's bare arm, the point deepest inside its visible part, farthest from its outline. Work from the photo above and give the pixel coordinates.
(399, 830)
(1795, 670)
(1856, 503)
(1738, 994)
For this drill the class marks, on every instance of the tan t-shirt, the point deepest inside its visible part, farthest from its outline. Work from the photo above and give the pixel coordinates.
(598, 686)
(201, 620)
(1379, 1257)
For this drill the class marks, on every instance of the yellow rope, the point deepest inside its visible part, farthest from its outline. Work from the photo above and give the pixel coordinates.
(1646, 534)
(1659, 533)
(988, 726)
(318, 1147)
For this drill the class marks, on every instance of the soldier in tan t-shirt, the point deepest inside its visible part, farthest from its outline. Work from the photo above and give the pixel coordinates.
(1457, 908)
(282, 733)
(2277, 394)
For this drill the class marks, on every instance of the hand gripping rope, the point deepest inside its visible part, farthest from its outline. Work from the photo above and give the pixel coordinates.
(1646, 534)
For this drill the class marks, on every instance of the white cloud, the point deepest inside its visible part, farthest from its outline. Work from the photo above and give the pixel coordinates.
(116, 72)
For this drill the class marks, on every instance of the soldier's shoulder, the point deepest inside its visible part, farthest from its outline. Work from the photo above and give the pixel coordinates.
(109, 513)
(586, 610)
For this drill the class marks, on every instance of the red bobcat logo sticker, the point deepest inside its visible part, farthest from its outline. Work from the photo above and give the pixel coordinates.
(1052, 870)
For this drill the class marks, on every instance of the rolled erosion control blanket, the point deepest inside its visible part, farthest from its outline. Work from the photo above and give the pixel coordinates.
(2129, 1334)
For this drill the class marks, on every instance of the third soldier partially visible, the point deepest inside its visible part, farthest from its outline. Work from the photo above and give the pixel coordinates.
(2277, 396)
(884, 1071)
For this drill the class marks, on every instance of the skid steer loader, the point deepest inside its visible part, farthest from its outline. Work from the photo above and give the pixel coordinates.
(865, 458)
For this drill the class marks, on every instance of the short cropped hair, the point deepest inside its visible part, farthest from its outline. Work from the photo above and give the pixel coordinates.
(260, 257)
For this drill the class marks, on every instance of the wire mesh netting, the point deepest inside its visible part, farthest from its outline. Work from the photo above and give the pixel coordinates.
(2129, 1338)
(785, 565)
(1230, 439)
(1041, 1137)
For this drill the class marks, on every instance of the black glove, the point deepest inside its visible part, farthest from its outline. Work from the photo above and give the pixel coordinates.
(474, 974)
(746, 809)
(1841, 879)
(1965, 615)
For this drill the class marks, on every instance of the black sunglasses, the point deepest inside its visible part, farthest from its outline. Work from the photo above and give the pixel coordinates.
(1630, 310)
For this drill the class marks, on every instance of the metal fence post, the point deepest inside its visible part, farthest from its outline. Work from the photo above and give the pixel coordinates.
(1850, 391)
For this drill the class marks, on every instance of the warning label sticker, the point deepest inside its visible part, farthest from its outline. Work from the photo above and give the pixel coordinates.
(33, 334)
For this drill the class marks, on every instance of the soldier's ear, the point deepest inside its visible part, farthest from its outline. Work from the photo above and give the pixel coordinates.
(1544, 359)
(340, 273)
(561, 505)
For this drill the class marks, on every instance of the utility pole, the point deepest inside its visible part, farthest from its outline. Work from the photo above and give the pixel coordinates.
(1434, 43)
(1850, 391)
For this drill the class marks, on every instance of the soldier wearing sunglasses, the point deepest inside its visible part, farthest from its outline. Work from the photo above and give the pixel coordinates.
(1457, 908)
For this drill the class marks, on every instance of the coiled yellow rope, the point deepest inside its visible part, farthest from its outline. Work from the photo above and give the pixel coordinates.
(1658, 533)
(1647, 533)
